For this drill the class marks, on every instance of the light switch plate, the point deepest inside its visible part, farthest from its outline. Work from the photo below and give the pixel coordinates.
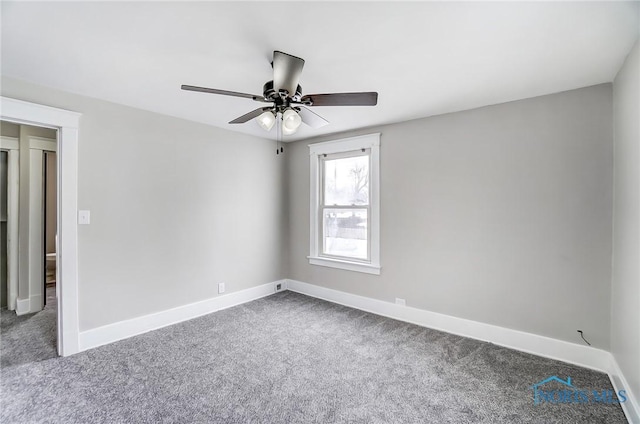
(84, 217)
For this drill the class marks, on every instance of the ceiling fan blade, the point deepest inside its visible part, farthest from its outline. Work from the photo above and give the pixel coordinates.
(249, 116)
(224, 92)
(286, 72)
(311, 118)
(341, 99)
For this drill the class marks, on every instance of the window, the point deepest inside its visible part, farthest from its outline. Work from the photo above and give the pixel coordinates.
(345, 205)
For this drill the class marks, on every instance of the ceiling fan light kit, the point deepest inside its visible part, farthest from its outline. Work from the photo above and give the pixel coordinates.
(291, 121)
(266, 120)
(288, 103)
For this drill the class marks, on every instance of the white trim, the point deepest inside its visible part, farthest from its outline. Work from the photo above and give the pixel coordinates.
(371, 142)
(41, 143)
(22, 306)
(346, 265)
(132, 327)
(22, 112)
(67, 123)
(9, 143)
(345, 144)
(374, 201)
(631, 407)
(314, 192)
(13, 212)
(36, 302)
(67, 247)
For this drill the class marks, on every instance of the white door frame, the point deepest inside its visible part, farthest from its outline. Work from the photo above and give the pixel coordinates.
(67, 124)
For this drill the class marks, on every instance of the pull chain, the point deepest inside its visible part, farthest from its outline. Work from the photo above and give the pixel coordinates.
(279, 148)
(278, 133)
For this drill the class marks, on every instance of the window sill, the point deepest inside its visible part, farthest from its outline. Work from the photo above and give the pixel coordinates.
(349, 266)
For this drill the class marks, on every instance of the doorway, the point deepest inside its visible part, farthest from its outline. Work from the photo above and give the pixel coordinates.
(66, 123)
(29, 209)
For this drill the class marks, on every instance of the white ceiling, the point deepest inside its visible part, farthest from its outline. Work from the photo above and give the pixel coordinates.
(423, 58)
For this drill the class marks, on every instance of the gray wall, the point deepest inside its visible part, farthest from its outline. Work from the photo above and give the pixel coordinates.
(625, 297)
(500, 215)
(9, 129)
(176, 207)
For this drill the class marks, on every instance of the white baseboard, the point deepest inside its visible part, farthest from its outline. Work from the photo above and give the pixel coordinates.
(36, 303)
(631, 407)
(132, 327)
(584, 356)
(23, 306)
(547, 347)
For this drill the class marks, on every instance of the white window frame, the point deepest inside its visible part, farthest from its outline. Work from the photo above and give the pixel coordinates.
(370, 142)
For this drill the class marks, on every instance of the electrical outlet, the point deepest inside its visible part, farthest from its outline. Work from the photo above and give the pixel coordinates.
(278, 287)
(401, 302)
(221, 288)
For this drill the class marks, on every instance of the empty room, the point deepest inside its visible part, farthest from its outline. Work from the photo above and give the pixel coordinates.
(320, 212)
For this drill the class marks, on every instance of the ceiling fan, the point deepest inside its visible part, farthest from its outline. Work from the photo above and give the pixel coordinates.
(287, 102)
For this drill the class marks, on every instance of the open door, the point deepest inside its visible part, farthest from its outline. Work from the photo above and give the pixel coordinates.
(50, 224)
(9, 198)
(39, 148)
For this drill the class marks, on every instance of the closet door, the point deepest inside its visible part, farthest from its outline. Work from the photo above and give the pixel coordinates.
(36, 230)
(37, 156)
(9, 217)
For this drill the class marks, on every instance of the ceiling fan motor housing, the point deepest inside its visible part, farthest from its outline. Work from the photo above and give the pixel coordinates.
(281, 98)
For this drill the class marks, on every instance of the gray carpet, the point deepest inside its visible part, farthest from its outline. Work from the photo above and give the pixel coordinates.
(290, 358)
(28, 338)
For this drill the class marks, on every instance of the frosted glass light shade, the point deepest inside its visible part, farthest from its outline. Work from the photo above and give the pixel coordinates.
(266, 120)
(290, 122)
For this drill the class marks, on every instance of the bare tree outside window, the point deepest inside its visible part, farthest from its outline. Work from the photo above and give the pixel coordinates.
(360, 173)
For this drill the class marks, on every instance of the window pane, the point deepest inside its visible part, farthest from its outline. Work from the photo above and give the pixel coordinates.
(346, 181)
(345, 233)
